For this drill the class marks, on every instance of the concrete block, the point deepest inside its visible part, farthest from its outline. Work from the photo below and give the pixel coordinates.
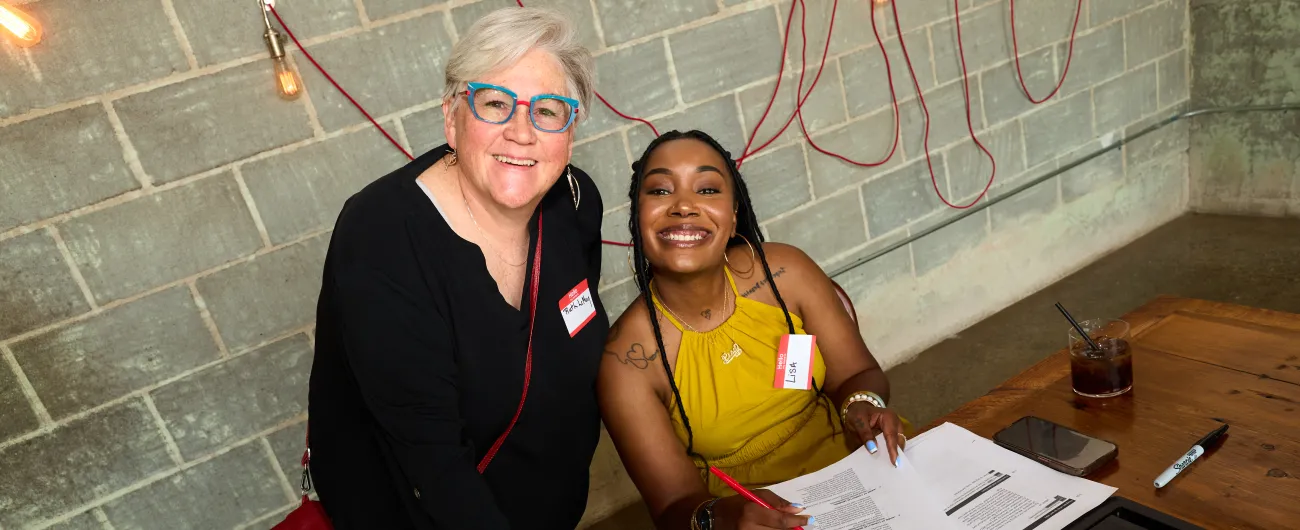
(940, 247)
(866, 85)
(1044, 22)
(636, 79)
(852, 28)
(1004, 97)
(624, 20)
(387, 69)
(235, 399)
(578, 11)
(36, 286)
(161, 238)
(1245, 53)
(302, 191)
(605, 161)
(969, 168)
(1170, 139)
(901, 197)
(1058, 127)
(1098, 56)
(1126, 99)
(1023, 207)
(947, 105)
(41, 180)
(78, 58)
(618, 297)
(859, 281)
(600, 120)
(16, 415)
(1105, 11)
(116, 352)
(189, 127)
(615, 263)
(1092, 175)
(1155, 32)
(82, 521)
(777, 181)
(986, 35)
(230, 489)
(823, 108)
(708, 62)
(921, 13)
(381, 9)
(424, 129)
(1238, 156)
(827, 228)
(1174, 86)
(209, 26)
(271, 295)
(91, 457)
(867, 141)
(288, 444)
(718, 117)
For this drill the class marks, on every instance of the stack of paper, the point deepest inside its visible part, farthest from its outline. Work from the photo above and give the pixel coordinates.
(948, 478)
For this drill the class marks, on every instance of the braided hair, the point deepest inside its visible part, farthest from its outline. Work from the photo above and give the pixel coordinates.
(746, 227)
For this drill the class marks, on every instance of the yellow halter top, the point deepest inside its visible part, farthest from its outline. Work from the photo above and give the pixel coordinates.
(757, 434)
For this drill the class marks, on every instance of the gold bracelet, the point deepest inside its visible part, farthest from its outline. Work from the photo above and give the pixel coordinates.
(861, 395)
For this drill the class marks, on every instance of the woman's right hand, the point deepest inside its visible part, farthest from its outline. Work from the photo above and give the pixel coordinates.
(739, 513)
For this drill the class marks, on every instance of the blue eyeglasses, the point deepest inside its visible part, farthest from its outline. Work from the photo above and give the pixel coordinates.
(496, 104)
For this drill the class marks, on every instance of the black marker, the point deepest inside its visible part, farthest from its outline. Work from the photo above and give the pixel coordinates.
(1191, 456)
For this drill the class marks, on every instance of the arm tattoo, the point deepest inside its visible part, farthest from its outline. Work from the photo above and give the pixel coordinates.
(635, 356)
(762, 282)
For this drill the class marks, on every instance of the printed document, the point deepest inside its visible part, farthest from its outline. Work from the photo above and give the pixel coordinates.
(949, 478)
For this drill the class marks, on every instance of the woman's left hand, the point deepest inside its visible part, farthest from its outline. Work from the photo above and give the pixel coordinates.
(867, 420)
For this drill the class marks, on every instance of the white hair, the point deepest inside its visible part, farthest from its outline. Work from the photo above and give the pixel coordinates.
(503, 37)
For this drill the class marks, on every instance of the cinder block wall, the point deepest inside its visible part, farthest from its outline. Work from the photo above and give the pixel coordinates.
(1246, 53)
(163, 215)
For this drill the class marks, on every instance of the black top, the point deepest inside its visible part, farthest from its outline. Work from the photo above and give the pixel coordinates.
(420, 364)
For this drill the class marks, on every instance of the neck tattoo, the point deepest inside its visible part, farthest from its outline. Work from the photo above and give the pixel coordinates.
(732, 353)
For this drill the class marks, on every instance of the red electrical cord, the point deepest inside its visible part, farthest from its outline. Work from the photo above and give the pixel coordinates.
(1015, 45)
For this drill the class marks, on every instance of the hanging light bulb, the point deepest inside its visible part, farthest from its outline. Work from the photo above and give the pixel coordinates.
(21, 28)
(287, 81)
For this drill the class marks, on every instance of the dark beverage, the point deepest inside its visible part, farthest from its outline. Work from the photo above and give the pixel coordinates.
(1101, 373)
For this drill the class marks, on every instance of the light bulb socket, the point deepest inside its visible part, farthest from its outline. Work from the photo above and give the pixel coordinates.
(274, 43)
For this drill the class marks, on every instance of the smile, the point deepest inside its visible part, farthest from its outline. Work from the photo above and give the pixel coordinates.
(685, 236)
(523, 162)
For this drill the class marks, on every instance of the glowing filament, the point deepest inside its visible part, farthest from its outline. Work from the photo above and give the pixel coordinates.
(25, 30)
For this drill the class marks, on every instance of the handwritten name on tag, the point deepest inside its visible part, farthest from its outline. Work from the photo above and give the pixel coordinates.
(794, 362)
(578, 308)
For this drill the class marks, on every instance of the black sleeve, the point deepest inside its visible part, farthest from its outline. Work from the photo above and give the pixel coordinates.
(397, 345)
(590, 215)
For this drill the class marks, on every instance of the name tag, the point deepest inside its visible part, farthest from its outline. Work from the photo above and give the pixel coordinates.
(578, 308)
(794, 362)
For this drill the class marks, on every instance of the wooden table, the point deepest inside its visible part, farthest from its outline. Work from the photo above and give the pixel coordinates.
(1195, 362)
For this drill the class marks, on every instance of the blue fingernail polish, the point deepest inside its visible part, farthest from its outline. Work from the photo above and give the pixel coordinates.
(812, 520)
(898, 461)
(796, 505)
(871, 446)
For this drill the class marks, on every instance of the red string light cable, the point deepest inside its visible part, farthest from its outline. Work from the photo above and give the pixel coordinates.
(335, 83)
(1015, 45)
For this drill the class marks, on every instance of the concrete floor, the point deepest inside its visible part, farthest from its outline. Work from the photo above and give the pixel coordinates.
(1243, 260)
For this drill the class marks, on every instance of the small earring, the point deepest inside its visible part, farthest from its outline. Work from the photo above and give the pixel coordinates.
(574, 189)
(451, 158)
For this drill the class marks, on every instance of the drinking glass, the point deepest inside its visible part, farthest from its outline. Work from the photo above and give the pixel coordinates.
(1107, 371)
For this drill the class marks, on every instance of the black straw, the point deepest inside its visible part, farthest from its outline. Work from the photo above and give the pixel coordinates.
(1077, 327)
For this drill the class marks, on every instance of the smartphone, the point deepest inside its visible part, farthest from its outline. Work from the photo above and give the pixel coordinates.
(1056, 446)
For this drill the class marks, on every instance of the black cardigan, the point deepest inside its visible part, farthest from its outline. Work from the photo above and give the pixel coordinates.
(419, 367)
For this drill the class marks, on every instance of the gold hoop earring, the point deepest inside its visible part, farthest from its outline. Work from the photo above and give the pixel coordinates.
(574, 190)
(451, 158)
(752, 254)
(632, 268)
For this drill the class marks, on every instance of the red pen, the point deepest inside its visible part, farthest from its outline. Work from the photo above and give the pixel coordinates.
(731, 482)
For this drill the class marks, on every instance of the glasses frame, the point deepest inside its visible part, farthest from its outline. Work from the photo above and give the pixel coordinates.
(573, 106)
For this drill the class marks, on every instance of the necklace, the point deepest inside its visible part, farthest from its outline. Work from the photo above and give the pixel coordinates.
(735, 350)
(483, 234)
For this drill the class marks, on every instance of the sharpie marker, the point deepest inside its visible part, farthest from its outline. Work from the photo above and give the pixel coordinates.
(1191, 456)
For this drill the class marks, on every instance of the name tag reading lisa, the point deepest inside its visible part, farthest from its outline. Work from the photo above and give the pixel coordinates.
(578, 308)
(794, 362)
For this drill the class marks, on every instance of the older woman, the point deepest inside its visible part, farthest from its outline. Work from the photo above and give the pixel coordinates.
(691, 376)
(458, 328)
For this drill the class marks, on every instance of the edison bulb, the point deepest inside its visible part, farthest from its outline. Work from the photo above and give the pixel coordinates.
(24, 30)
(287, 81)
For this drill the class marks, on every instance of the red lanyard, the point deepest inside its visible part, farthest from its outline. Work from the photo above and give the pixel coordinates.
(528, 358)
